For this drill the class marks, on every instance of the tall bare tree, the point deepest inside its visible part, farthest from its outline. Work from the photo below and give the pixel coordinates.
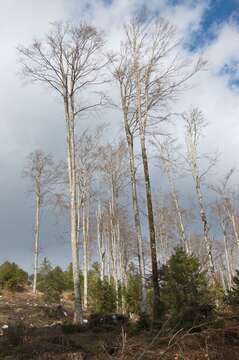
(68, 61)
(114, 168)
(219, 211)
(226, 213)
(43, 174)
(194, 124)
(124, 77)
(166, 149)
(158, 73)
(101, 241)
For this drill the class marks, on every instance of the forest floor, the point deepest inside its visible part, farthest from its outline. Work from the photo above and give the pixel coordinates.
(33, 329)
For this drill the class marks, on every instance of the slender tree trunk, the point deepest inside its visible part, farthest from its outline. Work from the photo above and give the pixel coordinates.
(228, 263)
(108, 251)
(101, 246)
(223, 281)
(113, 246)
(156, 300)
(143, 305)
(178, 210)
(142, 123)
(232, 218)
(78, 316)
(78, 215)
(207, 240)
(229, 270)
(122, 267)
(36, 250)
(85, 219)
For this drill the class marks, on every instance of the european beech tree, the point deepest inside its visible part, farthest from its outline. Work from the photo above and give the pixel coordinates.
(194, 124)
(43, 175)
(157, 72)
(68, 60)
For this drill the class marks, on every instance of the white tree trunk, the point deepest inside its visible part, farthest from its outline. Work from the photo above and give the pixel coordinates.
(232, 218)
(143, 303)
(78, 316)
(36, 250)
(85, 219)
(207, 239)
(178, 211)
(227, 256)
(101, 247)
(113, 248)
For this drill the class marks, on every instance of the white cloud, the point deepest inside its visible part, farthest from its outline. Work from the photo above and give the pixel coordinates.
(30, 117)
(225, 48)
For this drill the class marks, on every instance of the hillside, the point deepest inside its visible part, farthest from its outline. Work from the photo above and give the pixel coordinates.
(32, 329)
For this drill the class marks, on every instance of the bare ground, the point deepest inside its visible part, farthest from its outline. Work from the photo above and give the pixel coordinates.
(32, 329)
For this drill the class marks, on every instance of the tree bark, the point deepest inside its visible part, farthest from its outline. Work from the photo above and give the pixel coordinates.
(205, 226)
(142, 124)
(78, 316)
(101, 247)
(85, 219)
(152, 237)
(143, 304)
(178, 211)
(231, 216)
(36, 250)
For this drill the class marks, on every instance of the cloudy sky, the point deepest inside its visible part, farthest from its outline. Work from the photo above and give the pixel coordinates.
(31, 116)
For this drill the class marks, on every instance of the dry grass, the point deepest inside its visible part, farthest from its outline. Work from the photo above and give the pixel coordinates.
(29, 336)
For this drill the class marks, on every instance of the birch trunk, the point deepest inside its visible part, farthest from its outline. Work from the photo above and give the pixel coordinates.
(36, 251)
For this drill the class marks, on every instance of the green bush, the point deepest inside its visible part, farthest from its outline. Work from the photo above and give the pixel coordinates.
(132, 292)
(51, 281)
(185, 292)
(102, 294)
(12, 277)
(69, 278)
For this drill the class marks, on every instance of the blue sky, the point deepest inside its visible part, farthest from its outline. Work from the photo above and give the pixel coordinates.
(217, 13)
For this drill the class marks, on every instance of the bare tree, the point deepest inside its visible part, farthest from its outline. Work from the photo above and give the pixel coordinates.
(86, 165)
(194, 124)
(124, 77)
(166, 149)
(226, 213)
(101, 241)
(67, 61)
(114, 167)
(219, 211)
(43, 175)
(158, 73)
